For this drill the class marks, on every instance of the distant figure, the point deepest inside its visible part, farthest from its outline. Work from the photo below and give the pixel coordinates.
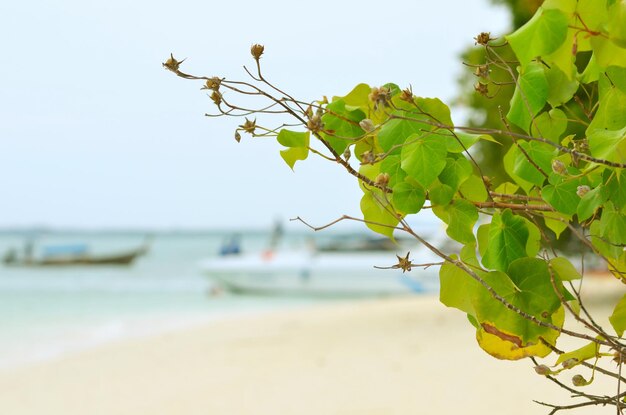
(29, 248)
(11, 256)
(277, 235)
(232, 246)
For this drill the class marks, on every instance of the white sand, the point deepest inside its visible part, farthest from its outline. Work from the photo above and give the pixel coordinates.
(397, 356)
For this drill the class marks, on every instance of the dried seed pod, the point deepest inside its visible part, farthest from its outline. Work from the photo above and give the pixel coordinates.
(257, 50)
(382, 179)
(558, 167)
(542, 370)
(482, 89)
(315, 124)
(212, 83)
(483, 38)
(380, 96)
(172, 64)
(578, 380)
(582, 190)
(249, 126)
(367, 125)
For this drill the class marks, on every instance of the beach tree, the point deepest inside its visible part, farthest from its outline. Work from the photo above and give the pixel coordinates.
(565, 170)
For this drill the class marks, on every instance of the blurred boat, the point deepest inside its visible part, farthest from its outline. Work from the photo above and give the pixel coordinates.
(68, 255)
(340, 268)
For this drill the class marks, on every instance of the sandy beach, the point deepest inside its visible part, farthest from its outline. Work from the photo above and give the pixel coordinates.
(389, 356)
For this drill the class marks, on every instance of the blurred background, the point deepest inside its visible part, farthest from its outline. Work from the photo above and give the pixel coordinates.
(106, 157)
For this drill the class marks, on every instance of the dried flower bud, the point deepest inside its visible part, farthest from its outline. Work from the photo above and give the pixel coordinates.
(619, 358)
(380, 96)
(315, 124)
(368, 158)
(367, 125)
(257, 50)
(482, 71)
(216, 97)
(578, 380)
(382, 179)
(172, 64)
(407, 94)
(581, 146)
(558, 167)
(542, 370)
(483, 38)
(404, 263)
(237, 136)
(347, 154)
(481, 88)
(249, 126)
(309, 111)
(582, 190)
(570, 363)
(212, 83)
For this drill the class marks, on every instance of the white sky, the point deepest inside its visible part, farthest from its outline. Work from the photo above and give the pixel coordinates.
(95, 133)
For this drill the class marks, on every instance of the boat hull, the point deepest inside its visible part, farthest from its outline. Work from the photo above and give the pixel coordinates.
(318, 274)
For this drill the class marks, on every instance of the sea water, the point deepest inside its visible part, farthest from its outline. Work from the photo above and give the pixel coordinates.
(49, 311)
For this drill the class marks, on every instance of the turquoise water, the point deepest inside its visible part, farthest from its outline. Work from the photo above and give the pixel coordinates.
(45, 312)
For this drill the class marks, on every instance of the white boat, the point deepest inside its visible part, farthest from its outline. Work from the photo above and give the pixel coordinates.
(333, 272)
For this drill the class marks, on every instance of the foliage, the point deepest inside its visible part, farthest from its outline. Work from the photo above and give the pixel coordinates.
(408, 156)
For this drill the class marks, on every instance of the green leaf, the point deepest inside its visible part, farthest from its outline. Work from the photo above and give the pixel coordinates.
(550, 124)
(562, 195)
(456, 171)
(613, 225)
(423, 158)
(397, 130)
(507, 240)
(597, 240)
(376, 213)
(564, 269)
(456, 288)
(556, 222)
(617, 75)
(608, 144)
(530, 95)
(533, 243)
(615, 188)
(509, 167)
(293, 139)
(342, 124)
(607, 53)
(391, 166)
(408, 196)
(618, 318)
(561, 88)
(474, 189)
(465, 141)
(462, 217)
(358, 98)
(540, 36)
(617, 23)
(587, 352)
(291, 155)
(507, 335)
(298, 143)
(590, 203)
(482, 236)
(440, 194)
(541, 154)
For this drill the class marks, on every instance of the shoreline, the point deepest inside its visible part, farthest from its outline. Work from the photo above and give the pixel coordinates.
(386, 356)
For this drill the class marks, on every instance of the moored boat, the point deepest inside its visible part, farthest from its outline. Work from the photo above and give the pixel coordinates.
(348, 270)
(71, 255)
